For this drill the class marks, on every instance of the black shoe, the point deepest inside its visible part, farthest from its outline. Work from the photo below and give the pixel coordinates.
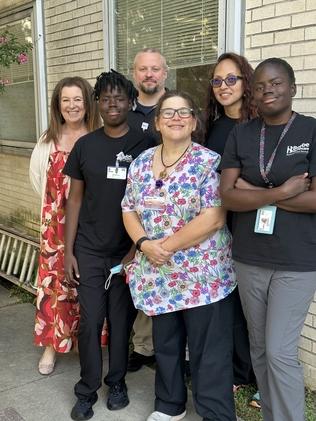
(136, 361)
(83, 409)
(117, 396)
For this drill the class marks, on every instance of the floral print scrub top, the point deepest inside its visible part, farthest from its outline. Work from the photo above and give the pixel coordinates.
(199, 275)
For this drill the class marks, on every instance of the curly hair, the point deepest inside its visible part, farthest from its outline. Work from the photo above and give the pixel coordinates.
(214, 109)
(113, 80)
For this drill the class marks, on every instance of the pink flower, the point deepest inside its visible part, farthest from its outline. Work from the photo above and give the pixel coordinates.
(3, 40)
(22, 58)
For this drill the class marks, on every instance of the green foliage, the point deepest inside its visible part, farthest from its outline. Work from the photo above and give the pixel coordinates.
(247, 413)
(12, 51)
(21, 294)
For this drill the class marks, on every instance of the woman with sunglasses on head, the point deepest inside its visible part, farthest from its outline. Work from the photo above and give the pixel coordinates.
(182, 273)
(269, 180)
(229, 103)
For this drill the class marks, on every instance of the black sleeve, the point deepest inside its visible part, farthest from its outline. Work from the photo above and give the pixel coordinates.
(73, 164)
(230, 158)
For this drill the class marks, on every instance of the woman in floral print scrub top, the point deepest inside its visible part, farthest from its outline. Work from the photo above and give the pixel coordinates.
(182, 273)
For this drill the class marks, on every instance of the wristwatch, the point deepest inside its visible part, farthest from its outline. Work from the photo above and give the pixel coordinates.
(140, 241)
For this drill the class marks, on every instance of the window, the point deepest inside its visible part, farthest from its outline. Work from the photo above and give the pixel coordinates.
(17, 104)
(186, 33)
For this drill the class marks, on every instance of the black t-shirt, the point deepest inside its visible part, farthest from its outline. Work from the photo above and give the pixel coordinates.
(142, 118)
(100, 227)
(216, 141)
(219, 132)
(292, 246)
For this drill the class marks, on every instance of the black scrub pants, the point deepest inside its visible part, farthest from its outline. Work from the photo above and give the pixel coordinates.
(209, 330)
(96, 303)
(243, 371)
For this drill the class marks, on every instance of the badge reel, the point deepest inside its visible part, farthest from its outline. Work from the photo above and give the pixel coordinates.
(117, 172)
(113, 271)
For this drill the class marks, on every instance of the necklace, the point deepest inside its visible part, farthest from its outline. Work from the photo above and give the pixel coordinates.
(163, 174)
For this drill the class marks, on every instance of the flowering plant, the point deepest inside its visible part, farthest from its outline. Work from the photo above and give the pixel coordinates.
(12, 51)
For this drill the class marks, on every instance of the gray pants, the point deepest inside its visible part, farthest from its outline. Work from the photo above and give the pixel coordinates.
(275, 304)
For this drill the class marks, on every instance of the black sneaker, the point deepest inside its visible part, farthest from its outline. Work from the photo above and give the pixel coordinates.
(136, 361)
(117, 396)
(83, 409)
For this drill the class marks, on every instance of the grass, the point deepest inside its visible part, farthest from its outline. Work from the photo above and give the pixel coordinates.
(247, 413)
(21, 294)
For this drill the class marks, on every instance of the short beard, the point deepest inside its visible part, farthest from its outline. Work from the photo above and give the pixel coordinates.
(149, 90)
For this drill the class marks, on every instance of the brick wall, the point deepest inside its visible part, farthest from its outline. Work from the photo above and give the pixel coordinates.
(286, 29)
(19, 205)
(74, 39)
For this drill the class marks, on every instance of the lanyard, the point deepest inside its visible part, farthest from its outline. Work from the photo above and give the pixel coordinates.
(265, 171)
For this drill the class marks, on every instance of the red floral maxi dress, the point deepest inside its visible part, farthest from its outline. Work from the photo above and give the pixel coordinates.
(57, 307)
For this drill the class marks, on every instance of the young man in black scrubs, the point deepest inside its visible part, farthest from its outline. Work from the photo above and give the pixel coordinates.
(96, 242)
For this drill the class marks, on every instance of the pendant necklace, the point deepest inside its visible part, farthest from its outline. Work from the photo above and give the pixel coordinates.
(163, 174)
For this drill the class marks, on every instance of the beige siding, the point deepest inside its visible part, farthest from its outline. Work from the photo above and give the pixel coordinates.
(286, 29)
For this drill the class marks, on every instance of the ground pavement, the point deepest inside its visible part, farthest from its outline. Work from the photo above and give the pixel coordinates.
(26, 395)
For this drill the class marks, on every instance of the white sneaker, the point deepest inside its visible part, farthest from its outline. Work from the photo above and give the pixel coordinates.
(160, 416)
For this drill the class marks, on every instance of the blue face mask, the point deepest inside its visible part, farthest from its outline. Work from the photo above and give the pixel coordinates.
(116, 269)
(113, 271)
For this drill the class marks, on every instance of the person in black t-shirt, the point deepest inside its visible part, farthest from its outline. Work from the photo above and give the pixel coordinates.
(150, 73)
(96, 243)
(230, 102)
(269, 179)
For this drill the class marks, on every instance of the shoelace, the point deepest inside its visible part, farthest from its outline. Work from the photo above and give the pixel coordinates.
(116, 389)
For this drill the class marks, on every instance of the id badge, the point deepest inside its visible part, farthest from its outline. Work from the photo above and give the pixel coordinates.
(265, 220)
(116, 173)
(154, 202)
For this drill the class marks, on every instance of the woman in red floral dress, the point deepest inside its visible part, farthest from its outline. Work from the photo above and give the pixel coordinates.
(73, 114)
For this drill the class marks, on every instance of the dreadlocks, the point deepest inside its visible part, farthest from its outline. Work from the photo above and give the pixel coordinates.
(113, 79)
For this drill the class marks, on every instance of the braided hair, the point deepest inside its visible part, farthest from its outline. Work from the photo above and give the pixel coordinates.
(112, 80)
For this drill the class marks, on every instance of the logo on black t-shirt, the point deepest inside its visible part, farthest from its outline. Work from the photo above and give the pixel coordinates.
(293, 150)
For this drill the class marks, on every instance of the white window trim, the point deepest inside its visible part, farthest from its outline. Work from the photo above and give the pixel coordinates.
(41, 105)
(231, 18)
(109, 35)
(234, 25)
(39, 68)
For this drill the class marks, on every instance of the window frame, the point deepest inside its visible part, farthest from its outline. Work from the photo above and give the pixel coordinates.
(230, 29)
(35, 11)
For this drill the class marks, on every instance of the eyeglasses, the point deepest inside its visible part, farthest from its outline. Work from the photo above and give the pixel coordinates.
(182, 112)
(229, 81)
